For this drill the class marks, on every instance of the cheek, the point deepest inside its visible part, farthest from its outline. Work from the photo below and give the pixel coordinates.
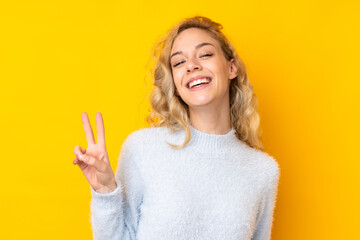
(177, 78)
(220, 69)
(212, 67)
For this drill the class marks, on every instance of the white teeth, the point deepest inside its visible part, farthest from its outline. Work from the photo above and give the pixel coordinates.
(199, 81)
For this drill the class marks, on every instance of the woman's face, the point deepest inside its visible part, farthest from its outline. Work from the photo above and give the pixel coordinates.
(195, 55)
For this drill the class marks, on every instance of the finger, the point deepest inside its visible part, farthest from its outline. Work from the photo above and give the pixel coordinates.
(100, 130)
(75, 161)
(83, 150)
(91, 161)
(79, 150)
(87, 127)
(82, 165)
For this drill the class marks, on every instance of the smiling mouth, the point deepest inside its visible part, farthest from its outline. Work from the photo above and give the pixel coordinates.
(199, 82)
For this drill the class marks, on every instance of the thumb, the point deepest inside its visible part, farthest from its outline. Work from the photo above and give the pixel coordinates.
(92, 161)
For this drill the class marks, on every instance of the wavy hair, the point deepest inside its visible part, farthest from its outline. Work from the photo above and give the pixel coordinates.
(168, 109)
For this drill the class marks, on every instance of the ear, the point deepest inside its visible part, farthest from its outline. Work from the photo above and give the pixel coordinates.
(233, 71)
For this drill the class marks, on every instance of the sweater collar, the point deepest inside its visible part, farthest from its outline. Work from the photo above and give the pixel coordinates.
(211, 141)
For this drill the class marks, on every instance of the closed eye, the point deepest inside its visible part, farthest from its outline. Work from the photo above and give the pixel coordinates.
(176, 64)
(207, 55)
(204, 55)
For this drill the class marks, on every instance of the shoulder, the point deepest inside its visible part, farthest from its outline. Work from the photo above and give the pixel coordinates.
(270, 163)
(136, 144)
(144, 135)
(265, 165)
(272, 169)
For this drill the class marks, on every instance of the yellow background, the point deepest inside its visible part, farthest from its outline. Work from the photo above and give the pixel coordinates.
(61, 58)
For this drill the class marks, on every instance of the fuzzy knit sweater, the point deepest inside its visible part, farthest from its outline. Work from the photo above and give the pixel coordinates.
(215, 188)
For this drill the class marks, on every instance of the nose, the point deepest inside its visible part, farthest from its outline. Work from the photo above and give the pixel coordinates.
(193, 65)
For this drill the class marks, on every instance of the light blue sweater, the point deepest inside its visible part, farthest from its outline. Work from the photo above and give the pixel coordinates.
(215, 188)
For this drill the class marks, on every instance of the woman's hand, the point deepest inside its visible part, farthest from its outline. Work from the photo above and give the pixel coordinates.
(94, 161)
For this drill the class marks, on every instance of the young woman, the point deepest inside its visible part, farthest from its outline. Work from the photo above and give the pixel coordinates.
(198, 171)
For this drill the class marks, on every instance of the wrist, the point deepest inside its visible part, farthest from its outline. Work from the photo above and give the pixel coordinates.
(107, 189)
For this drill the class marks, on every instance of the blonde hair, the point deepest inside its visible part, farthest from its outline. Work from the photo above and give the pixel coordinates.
(168, 109)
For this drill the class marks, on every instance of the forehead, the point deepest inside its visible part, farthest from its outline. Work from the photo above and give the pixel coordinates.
(191, 37)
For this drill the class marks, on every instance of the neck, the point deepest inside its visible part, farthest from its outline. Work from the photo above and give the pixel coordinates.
(213, 121)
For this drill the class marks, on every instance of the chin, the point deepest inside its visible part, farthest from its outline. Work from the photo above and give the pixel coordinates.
(199, 104)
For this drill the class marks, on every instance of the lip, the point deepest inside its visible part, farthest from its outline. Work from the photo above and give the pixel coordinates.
(196, 78)
(199, 88)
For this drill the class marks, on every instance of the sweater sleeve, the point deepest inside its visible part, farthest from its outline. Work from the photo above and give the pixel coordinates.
(116, 215)
(265, 218)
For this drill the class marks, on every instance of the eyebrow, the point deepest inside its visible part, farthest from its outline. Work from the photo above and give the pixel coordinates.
(196, 47)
